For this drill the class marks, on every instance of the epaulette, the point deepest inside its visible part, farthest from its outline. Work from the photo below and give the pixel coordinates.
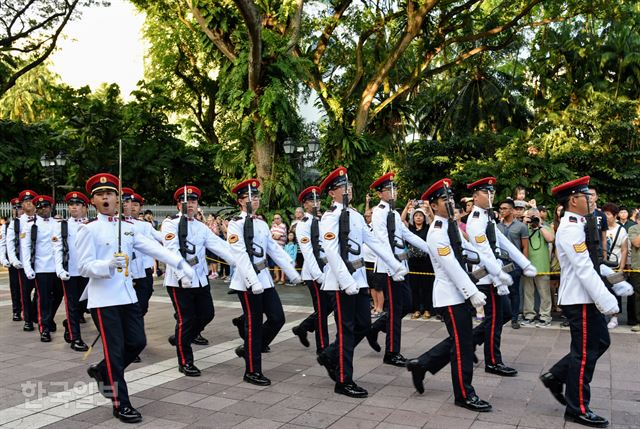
(31, 220)
(175, 217)
(476, 214)
(91, 220)
(127, 221)
(573, 219)
(236, 218)
(332, 208)
(304, 219)
(437, 224)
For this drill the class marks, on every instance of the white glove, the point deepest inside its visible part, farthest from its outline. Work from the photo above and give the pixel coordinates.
(18, 265)
(478, 299)
(187, 271)
(607, 303)
(612, 310)
(530, 271)
(503, 290)
(623, 289)
(505, 278)
(257, 288)
(352, 289)
(64, 275)
(30, 275)
(320, 280)
(6, 263)
(399, 275)
(296, 280)
(117, 262)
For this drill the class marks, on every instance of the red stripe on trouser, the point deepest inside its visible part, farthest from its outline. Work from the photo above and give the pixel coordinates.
(493, 323)
(175, 299)
(456, 341)
(319, 318)
(114, 389)
(66, 307)
(340, 347)
(21, 296)
(583, 361)
(249, 353)
(390, 314)
(39, 310)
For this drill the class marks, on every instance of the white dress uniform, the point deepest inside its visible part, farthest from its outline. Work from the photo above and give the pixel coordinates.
(245, 277)
(310, 269)
(73, 284)
(202, 238)
(397, 294)
(97, 242)
(26, 286)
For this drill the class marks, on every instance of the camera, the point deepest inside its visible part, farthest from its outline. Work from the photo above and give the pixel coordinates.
(535, 222)
(418, 203)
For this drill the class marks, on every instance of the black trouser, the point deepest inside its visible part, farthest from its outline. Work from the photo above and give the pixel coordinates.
(45, 284)
(72, 290)
(317, 321)
(122, 330)
(456, 350)
(194, 310)
(28, 298)
(398, 297)
(259, 334)
(497, 312)
(589, 340)
(14, 286)
(144, 289)
(634, 279)
(514, 294)
(353, 321)
(421, 292)
(57, 295)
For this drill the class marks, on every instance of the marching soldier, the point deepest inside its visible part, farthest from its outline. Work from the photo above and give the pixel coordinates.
(105, 247)
(453, 295)
(308, 235)
(14, 281)
(66, 260)
(40, 265)
(585, 300)
(251, 242)
(192, 301)
(16, 257)
(487, 240)
(343, 232)
(391, 231)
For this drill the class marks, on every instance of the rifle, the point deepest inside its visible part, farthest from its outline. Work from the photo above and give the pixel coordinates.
(247, 231)
(34, 238)
(183, 230)
(593, 242)
(391, 224)
(503, 255)
(465, 260)
(64, 235)
(315, 234)
(343, 232)
(16, 239)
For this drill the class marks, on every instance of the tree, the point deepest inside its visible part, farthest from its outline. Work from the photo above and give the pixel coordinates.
(29, 32)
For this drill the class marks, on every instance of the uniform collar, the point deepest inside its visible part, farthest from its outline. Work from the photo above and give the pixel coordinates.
(384, 204)
(480, 209)
(444, 220)
(580, 218)
(337, 205)
(106, 218)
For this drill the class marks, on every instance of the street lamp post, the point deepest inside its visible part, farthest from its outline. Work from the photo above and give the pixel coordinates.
(50, 165)
(304, 152)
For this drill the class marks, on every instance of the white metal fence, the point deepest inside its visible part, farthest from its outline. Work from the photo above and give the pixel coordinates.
(159, 212)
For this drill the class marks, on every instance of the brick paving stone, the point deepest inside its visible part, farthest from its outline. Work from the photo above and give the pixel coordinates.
(314, 419)
(178, 413)
(351, 423)
(334, 407)
(218, 421)
(253, 423)
(368, 412)
(184, 398)
(411, 418)
(214, 403)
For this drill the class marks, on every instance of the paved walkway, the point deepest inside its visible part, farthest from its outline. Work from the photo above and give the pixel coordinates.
(46, 385)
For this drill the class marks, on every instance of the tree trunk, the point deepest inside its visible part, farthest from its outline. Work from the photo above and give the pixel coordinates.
(263, 152)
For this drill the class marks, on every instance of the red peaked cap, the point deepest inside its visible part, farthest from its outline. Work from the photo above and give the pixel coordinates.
(383, 181)
(486, 184)
(76, 197)
(436, 190)
(335, 179)
(43, 200)
(577, 186)
(307, 194)
(27, 194)
(242, 188)
(137, 198)
(15, 201)
(127, 193)
(102, 182)
(193, 193)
